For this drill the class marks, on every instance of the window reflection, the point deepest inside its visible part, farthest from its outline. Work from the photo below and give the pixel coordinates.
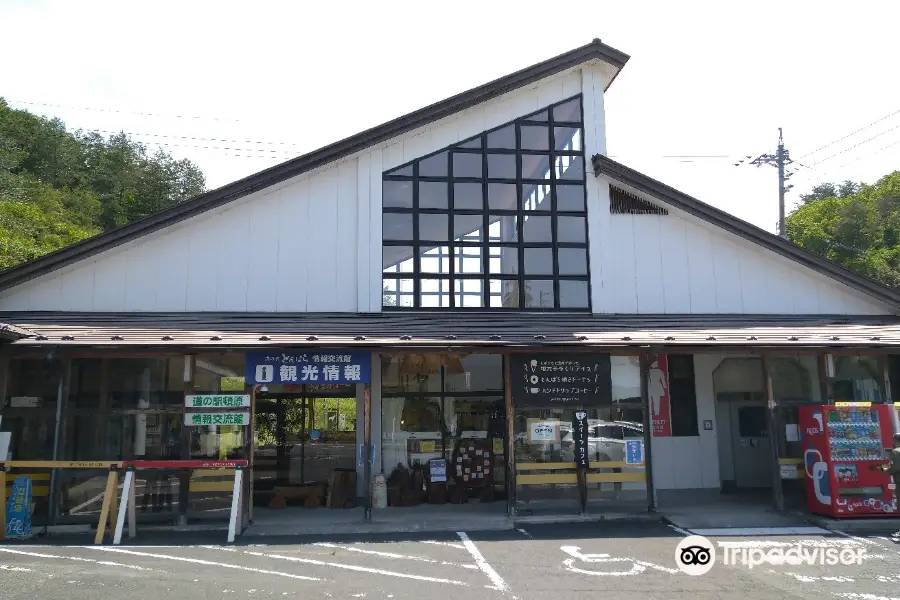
(533, 194)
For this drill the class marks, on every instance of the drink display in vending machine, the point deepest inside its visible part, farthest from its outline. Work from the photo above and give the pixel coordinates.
(844, 445)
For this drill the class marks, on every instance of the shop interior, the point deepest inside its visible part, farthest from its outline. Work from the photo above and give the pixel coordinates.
(443, 430)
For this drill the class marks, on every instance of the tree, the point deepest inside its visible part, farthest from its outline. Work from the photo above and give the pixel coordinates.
(57, 187)
(829, 190)
(857, 227)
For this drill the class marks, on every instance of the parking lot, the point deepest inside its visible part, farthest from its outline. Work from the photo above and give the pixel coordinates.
(542, 562)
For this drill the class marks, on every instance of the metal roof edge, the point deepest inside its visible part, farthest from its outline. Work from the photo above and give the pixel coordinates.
(12, 333)
(604, 165)
(212, 199)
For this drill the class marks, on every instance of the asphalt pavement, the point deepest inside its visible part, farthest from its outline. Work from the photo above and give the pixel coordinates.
(630, 560)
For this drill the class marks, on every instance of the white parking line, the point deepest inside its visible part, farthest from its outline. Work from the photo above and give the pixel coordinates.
(450, 544)
(759, 531)
(16, 569)
(483, 564)
(311, 561)
(199, 561)
(396, 556)
(75, 558)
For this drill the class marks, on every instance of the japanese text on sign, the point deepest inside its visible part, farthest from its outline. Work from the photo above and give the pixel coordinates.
(634, 452)
(561, 379)
(217, 401)
(18, 509)
(331, 367)
(221, 418)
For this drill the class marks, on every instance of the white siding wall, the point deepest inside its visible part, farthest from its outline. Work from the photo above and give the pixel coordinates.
(312, 243)
(679, 264)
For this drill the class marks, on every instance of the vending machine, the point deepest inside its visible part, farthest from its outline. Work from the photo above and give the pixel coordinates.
(844, 446)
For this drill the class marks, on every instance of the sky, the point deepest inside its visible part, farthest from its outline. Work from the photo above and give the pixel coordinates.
(238, 87)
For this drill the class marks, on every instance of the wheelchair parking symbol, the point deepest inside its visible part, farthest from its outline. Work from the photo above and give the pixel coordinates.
(607, 565)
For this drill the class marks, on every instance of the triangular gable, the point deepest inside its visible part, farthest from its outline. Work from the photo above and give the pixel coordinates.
(627, 187)
(612, 60)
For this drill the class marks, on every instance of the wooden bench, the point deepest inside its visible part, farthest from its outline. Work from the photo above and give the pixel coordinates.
(311, 495)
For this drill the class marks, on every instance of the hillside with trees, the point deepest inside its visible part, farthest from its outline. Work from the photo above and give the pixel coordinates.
(853, 224)
(58, 187)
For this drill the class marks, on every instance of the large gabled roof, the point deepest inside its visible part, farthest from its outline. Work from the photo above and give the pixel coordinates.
(596, 50)
(617, 172)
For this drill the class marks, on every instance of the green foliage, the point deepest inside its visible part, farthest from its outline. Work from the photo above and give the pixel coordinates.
(59, 187)
(858, 227)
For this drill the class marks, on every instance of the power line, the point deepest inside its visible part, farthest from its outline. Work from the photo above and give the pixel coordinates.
(852, 134)
(126, 112)
(196, 139)
(857, 145)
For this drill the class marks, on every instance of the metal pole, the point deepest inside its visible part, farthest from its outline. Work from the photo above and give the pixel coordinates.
(780, 163)
(888, 396)
(510, 438)
(648, 430)
(772, 427)
(367, 453)
(62, 393)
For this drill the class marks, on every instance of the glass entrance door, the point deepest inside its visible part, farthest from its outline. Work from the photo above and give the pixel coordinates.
(301, 438)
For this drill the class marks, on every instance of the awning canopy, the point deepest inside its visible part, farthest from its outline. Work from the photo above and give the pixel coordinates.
(449, 330)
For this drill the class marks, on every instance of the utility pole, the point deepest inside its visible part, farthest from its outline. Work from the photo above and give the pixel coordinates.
(780, 159)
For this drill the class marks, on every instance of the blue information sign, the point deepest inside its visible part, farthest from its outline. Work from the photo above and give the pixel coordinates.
(18, 509)
(634, 452)
(325, 367)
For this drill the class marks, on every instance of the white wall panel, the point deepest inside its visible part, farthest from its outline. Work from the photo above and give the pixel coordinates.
(345, 298)
(233, 260)
(727, 273)
(203, 252)
(140, 290)
(109, 282)
(293, 254)
(321, 242)
(701, 272)
(674, 260)
(648, 263)
(262, 252)
(171, 266)
(364, 231)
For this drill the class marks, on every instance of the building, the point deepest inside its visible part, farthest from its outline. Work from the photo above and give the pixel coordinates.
(525, 278)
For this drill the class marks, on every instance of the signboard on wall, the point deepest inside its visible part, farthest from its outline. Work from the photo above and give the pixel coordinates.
(217, 400)
(195, 419)
(580, 439)
(548, 380)
(634, 452)
(18, 509)
(658, 390)
(328, 367)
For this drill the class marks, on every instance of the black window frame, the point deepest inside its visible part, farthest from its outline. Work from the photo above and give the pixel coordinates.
(479, 145)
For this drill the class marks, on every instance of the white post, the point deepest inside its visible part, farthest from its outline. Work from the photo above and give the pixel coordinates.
(132, 518)
(236, 494)
(127, 488)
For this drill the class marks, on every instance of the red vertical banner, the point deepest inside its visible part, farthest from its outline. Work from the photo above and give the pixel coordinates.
(658, 390)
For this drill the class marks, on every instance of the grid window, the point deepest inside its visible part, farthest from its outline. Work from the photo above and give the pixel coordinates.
(496, 221)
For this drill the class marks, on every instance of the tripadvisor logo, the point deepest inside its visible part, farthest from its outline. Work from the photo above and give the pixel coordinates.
(696, 555)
